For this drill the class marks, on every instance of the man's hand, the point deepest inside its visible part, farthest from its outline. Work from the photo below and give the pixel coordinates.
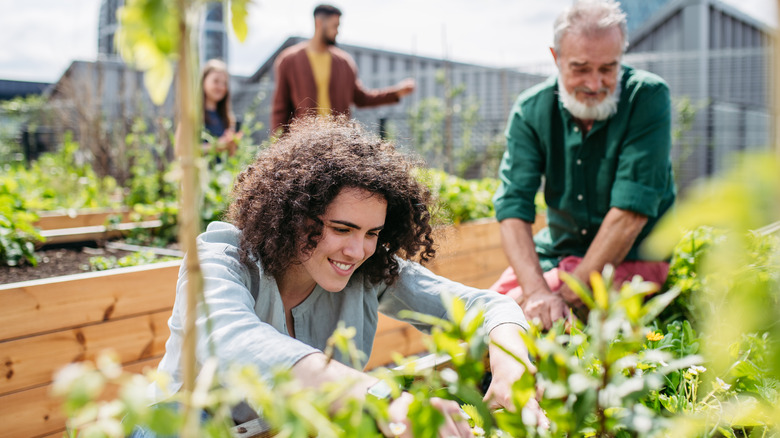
(405, 87)
(547, 306)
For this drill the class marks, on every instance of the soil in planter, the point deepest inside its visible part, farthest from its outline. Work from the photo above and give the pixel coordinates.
(56, 261)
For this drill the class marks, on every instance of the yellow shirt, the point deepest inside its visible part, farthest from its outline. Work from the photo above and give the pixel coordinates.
(320, 66)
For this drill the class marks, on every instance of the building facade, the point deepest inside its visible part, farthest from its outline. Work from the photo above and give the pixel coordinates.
(455, 105)
(717, 62)
(213, 36)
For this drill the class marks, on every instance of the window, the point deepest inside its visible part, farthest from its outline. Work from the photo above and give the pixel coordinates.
(214, 12)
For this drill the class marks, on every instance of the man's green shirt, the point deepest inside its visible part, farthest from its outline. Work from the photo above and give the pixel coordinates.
(622, 162)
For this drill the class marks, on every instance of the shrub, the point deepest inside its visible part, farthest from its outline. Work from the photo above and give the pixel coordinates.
(17, 233)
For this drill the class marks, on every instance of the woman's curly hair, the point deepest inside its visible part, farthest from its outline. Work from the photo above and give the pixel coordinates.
(279, 199)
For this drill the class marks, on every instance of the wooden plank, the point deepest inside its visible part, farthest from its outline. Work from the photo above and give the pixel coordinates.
(49, 220)
(59, 236)
(386, 323)
(479, 234)
(483, 281)
(40, 306)
(32, 361)
(406, 341)
(30, 413)
(468, 265)
(34, 412)
(60, 434)
(468, 236)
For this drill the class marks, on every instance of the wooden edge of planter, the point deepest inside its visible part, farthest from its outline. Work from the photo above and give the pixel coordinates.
(93, 232)
(87, 275)
(70, 218)
(39, 306)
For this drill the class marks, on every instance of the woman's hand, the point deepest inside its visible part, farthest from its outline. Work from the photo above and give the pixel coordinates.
(455, 424)
(227, 141)
(507, 370)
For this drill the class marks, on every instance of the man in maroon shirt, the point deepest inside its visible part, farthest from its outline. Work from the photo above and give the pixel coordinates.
(317, 77)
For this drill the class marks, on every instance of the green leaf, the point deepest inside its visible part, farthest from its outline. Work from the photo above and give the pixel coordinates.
(600, 292)
(657, 304)
(578, 288)
(158, 80)
(238, 16)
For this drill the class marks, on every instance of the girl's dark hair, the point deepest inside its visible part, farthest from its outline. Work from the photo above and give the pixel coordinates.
(224, 109)
(278, 200)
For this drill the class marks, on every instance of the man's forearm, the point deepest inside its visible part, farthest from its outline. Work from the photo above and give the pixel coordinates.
(614, 240)
(517, 239)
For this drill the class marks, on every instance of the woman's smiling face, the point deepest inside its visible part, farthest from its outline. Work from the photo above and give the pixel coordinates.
(350, 232)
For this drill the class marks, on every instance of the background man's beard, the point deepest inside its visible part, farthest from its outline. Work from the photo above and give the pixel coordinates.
(601, 111)
(330, 41)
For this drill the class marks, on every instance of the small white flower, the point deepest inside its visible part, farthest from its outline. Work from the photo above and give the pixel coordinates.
(642, 424)
(397, 428)
(109, 364)
(696, 370)
(478, 431)
(66, 377)
(721, 385)
(449, 375)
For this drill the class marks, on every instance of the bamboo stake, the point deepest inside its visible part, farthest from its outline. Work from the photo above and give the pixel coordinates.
(188, 211)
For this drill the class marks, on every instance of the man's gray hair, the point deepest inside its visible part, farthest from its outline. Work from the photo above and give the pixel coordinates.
(590, 17)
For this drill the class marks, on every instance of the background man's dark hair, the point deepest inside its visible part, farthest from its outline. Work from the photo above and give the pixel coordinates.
(326, 11)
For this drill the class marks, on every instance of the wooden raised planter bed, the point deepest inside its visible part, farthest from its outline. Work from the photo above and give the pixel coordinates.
(50, 323)
(52, 220)
(85, 225)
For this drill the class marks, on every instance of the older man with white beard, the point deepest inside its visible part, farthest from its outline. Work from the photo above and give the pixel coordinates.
(599, 134)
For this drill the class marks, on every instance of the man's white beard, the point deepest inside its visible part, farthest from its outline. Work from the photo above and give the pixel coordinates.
(601, 111)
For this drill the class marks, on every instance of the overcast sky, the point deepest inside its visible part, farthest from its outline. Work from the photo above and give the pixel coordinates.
(40, 38)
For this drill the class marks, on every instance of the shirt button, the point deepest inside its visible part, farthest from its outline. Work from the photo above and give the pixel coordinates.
(584, 231)
(579, 162)
(576, 129)
(579, 197)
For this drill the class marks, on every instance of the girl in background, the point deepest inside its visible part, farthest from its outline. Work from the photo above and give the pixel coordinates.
(218, 119)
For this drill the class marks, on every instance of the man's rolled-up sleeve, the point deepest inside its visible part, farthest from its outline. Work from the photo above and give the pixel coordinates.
(642, 176)
(520, 171)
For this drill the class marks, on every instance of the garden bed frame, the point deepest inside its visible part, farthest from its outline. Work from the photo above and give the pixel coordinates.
(50, 323)
(88, 225)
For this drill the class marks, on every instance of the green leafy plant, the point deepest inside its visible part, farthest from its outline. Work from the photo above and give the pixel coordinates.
(460, 200)
(17, 233)
(61, 180)
(685, 271)
(740, 296)
(595, 377)
(100, 263)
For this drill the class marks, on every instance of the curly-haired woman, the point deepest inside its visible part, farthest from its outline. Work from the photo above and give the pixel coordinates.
(322, 226)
